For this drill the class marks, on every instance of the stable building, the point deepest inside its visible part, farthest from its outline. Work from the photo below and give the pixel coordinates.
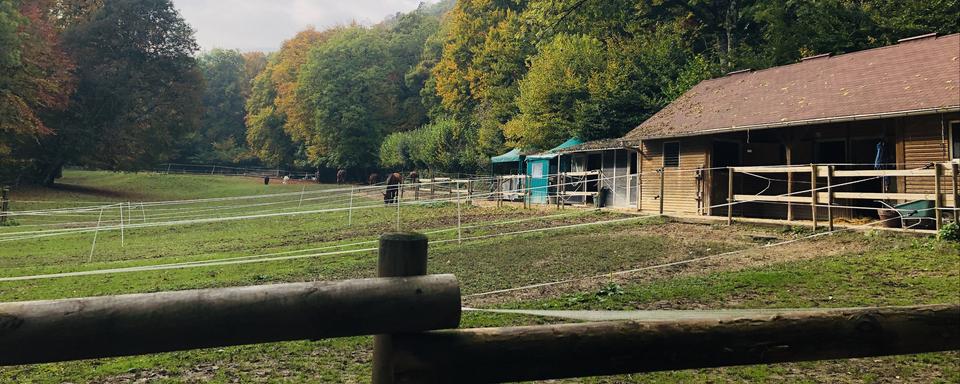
(827, 137)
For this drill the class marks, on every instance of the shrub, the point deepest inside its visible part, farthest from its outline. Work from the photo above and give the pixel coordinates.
(949, 232)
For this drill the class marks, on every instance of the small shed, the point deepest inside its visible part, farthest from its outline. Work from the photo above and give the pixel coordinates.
(542, 166)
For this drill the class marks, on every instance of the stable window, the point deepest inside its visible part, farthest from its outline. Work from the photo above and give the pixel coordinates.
(671, 155)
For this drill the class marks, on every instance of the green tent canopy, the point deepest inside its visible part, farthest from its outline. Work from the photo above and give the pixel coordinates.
(510, 157)
(553, 152)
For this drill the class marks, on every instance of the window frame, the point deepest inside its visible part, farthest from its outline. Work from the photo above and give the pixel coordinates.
(663, 154)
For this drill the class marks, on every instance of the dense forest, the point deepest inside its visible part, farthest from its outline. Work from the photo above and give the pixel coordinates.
(120, 85)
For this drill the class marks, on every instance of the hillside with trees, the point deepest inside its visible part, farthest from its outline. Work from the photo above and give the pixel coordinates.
(119, 84)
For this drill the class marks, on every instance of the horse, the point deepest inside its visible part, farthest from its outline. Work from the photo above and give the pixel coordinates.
(393, 188)
(341, 176)
(413, 176)
(373, 178)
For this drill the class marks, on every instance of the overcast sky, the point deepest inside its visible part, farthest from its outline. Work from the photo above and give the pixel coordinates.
(263, 25)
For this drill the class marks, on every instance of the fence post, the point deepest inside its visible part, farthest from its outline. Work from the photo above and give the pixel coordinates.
(830, 197)
(350, 209)
(730, 199)
(813, 195)
(401, 255)
(956, 191)
(5, 203)
(526, 185)
(663, 172)
(937, 193)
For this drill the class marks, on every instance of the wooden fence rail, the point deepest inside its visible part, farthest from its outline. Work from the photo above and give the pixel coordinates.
(414, 317)
(607, 348)
(60, 330)
(942, 173)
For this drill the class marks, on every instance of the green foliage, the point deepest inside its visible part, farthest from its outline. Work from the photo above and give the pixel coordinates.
(226, 86)
(949, 232)
(138, 93)
(444, 144)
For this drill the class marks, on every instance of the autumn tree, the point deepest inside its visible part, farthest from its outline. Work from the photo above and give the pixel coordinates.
(138, 92)
(35, 80)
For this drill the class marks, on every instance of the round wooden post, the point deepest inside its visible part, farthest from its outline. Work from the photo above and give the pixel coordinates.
(937, 194)
(663, 172)
(830, 197)
(402, 254)
(4, 203)
(955, 174)
(813, 195)
(730, 199)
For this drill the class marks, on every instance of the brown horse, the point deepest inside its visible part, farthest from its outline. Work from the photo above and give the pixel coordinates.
(393, 188)
(414, 177)
(373, 178)
(341, 176)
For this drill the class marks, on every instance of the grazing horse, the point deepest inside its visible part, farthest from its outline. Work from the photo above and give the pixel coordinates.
(413, 177)
(373, 178)
(341, 176)
(393, 188)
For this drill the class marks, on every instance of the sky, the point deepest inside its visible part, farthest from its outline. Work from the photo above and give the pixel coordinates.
(263, 25)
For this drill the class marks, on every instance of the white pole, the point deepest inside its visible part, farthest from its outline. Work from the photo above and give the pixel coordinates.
(399, 195)
(459, 228)
(350, 210)
(121, 226)
(301, 196)
(95, 233)
(142, 212)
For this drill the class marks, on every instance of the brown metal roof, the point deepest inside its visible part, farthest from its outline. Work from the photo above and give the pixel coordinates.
(915, 76)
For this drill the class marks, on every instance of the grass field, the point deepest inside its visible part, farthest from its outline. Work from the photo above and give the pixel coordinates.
(841, 270)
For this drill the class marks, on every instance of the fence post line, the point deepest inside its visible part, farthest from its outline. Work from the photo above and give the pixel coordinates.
(937, 194)
(401, 255)
(4, 203)
(730, 199)
(813, 195)
(830, 197)
(663, 175)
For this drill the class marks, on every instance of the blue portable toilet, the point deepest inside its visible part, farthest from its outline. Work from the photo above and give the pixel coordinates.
(542, 165)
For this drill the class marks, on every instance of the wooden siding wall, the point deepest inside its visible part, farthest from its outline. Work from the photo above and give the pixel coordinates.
(680, 188)
(922, 141)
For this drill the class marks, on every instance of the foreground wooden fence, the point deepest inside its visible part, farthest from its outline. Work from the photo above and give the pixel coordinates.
(414, 316)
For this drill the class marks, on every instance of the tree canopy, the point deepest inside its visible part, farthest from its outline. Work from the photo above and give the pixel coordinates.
(117, 84)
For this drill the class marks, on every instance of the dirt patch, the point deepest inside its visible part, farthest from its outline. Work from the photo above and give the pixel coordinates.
(760, 252)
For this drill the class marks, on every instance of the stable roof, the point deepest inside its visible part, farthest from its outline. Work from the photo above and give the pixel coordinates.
(917, 76)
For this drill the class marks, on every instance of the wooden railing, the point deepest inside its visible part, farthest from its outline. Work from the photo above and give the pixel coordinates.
(414, 317)
(824, 195)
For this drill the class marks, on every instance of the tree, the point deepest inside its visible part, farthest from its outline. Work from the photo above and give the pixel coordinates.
(35, 80)
(226, 86)
(138, 92)
(555, 100)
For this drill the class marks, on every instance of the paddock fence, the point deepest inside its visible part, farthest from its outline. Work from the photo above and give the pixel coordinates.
(414, 318)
